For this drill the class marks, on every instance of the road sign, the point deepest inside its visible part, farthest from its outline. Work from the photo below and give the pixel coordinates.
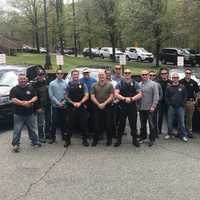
(180, 61)
(2, 58)
(122, 59)
(59, 59)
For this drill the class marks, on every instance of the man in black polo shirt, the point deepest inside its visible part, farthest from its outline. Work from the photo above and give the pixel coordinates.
(128, 92)
(77, 95)
(192, 89)
(23, 97)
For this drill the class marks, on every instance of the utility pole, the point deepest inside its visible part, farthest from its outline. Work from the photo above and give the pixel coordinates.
(48, 57)
(74, 27)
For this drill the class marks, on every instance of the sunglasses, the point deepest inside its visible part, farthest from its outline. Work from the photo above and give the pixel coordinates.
(117, 68)
(41, 74)
(175, 77)
(188, 72)
(152, 75)
(59, 73)
(127, 73)
(164, 73)
(144, 74)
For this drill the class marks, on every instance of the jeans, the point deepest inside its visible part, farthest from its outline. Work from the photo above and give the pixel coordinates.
(31, 123)
(179, 112)
(145, 116)
(43, 119)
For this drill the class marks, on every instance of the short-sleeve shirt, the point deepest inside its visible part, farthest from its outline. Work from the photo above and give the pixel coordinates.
(23, 94)
(102, 92)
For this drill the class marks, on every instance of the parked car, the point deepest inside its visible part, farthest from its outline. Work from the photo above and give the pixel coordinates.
(69, 51)
(171, 54)
(196, 53)
(43, 50)
(94, 52)
(8, 79)
(139, 54)
(107, 52)
(93, 73)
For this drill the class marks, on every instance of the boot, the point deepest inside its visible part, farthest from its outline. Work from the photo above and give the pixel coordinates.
(118, 142)
(85, 142)
(135, 142)
(67, 142)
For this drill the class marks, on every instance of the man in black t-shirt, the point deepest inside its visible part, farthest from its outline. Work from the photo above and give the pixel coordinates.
(192, 89)
(23, 97)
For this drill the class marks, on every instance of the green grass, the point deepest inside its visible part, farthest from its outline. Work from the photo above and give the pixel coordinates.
(70, 62)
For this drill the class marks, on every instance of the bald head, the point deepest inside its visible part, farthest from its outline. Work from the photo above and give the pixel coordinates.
(145, 75)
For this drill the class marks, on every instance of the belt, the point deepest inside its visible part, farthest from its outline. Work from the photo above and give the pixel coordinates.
(191, 99)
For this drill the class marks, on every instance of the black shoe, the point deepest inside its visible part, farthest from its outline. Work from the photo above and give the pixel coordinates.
(136, 143)
(42, 140)
(51, 141)
(117, 144)
(150, 144)
(67, 143)
(190, 135)
(85, 143)
(109, 143)
(94, 143)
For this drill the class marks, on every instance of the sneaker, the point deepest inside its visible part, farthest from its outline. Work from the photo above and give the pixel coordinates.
(85, 143)
(151, 143)
(184, 139)
(167, 137)
(67, 143)
(37, 145)
(16, 148)
(190, 135)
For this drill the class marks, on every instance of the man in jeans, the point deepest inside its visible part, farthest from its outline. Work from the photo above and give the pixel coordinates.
(43, 108)
(175, 97)
(23, 97)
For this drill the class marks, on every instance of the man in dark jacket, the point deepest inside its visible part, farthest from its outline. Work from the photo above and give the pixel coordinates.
(175, 97)
(42, 106)
(164, 82)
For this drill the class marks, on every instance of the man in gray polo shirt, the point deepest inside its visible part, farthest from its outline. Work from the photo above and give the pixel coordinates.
(147, 107)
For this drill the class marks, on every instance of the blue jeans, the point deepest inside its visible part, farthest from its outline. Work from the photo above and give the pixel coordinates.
(31, 122)
(180, 113)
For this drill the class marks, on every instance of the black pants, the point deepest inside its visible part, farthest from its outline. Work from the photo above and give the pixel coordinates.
(155, 121)
(58, 118)
(130, 111)
(78, 118)
(103, 122)
(162, 111)
(145, 116)
(90, 110)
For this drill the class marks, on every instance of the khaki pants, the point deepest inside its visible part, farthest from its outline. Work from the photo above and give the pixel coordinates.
(189, 111)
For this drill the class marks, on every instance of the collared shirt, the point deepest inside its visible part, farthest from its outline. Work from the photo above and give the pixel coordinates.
(88, 81)
(150, 95)
(56, 91)
(76, 83)
(191, 86)
(102, 92)
(117, 78)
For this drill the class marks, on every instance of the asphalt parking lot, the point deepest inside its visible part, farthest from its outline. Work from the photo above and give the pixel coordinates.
(170, 170)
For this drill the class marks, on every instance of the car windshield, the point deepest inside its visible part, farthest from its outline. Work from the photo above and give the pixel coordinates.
(142, 50)
(9, 79)
(186, 51)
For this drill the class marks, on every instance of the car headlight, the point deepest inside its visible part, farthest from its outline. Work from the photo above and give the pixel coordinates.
(5, 100)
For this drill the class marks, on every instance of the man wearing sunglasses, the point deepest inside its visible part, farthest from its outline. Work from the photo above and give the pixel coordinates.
(175, 97)
(56, 93)
(147, 107)
(164, 81)
(128, 92)
(192, 90)
(42, 106)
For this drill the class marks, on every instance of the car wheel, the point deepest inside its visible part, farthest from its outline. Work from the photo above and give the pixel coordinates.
(139, 59)
(128, 58)
(163, 61)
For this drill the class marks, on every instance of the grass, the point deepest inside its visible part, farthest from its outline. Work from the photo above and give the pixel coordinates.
(70, 62)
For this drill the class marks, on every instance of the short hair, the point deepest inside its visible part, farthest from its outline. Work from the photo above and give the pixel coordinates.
(59, 71)
(74, 70)
(188, 69)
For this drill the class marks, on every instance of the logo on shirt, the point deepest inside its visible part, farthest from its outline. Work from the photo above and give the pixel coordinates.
(179, 89)
(80, 86)
(28, 92)
(191, 84)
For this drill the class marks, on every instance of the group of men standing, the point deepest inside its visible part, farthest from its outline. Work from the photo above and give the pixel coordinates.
(103, 105)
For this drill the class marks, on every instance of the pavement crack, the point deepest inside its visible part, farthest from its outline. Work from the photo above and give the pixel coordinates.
(42, 177)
